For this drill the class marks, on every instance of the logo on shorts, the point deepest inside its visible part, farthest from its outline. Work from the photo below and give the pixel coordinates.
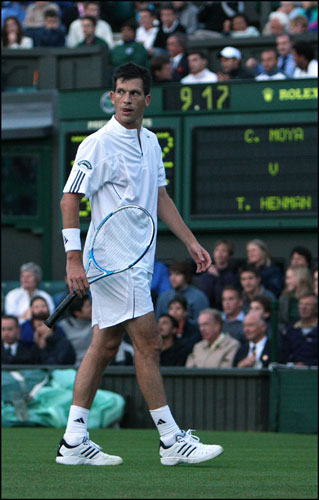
(86, 164)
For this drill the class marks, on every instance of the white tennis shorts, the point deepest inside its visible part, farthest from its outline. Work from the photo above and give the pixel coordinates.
(120, 297)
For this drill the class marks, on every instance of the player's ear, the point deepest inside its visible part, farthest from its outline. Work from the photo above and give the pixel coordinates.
(112, 95)
(148, 99)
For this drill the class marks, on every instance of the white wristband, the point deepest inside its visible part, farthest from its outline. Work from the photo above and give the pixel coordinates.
(71, 239)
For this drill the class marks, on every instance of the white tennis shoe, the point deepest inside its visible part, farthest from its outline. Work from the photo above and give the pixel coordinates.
(188, 450)
(86, 453)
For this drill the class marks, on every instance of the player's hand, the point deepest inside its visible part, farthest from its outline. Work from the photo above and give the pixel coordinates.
(200, 256)
(213, 270)
(76, 276)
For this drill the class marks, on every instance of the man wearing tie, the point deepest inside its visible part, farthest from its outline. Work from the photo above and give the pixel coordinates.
(13, 351)
(286, 62)
(255, 352)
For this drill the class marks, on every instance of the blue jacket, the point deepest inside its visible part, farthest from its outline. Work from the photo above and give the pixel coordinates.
(272, 279)
(299, 347)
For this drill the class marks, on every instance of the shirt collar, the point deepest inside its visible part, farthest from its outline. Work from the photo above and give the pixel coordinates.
(172, 28)
(240, 317)
(115, 125)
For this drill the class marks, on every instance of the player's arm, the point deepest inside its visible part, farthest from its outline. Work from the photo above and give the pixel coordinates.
(169, 214)
(76, 276)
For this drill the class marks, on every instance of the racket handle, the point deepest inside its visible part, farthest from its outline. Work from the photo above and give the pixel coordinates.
(64, 304)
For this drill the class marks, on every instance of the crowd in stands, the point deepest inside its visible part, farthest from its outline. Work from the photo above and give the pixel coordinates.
(156, 35)
(224, 318)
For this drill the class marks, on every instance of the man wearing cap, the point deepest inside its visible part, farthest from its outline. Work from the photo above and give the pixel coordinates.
(230, 60)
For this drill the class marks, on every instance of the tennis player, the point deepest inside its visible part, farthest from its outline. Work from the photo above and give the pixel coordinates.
(122, 164)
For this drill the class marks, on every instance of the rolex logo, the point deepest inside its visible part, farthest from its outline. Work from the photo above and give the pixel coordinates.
(268, 94)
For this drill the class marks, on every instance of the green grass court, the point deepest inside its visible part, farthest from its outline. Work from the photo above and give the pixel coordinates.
(254, 465)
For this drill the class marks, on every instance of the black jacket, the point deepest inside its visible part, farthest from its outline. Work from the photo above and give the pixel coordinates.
(243, 350)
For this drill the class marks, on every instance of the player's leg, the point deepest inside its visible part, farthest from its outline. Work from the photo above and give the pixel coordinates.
(75, 448)
(176, 446)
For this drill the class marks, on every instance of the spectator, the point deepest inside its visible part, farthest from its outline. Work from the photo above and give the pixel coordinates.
(217, 349)
(298, 25)
(300, 257)
(160, 280)
(54, 349)
(230, 60)
(39, 310)
(187, 329)
(13, 9)
(261, 305)
(180, 277)
(315, 281)
(176, 47)
(198, 71)
(269, 61)
(289, 9)
(52, 34)
(278, 23)
(77, 326)
(233, 315)
(286, 62)
(259, 255)
(174, 351)
(17, 301)
(13, 350)
(219, 274)
(212, 15)
(304, 56)
(255, 353)
(250, 279)
(103, 29)
(300, 340)
(129, 50)
(187, 15)
(12, 36)
(310, 10)
(162, 70)
(147, 31)
(34, 17)
(88, 28)
(170, 25)
(298, 282)
(238, 27)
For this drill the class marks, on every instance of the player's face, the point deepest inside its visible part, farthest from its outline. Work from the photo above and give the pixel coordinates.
(129, 101)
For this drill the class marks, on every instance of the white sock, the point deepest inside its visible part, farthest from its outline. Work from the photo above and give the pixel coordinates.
(166, 425)
(76, 428)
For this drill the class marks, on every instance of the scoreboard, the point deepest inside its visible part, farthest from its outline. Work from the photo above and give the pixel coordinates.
(237, 155)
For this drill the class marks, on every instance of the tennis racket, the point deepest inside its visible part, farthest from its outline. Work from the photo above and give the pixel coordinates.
(120, 241)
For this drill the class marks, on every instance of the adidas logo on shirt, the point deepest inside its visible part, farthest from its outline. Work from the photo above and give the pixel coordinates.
(161, 422)
(80, 420)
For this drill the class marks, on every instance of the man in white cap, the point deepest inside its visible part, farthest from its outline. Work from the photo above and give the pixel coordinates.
(230, 60)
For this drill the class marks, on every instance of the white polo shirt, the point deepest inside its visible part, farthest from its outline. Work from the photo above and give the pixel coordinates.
(204, 76)
(111, 169)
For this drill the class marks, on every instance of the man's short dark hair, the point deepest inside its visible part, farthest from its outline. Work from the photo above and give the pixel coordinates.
(173, 320)
(50, 13)
(130, 23)
(11, 316)
(271, 49)
(250, 268)
(78, 303)
(158, 62)
(304, 252)
(304, 49)
(264, 301)
(200, 53)
(182, 267)
(232, 288)
(41, 298)
(181, 300)
(167, 6)
(90, 18)
(181, 38)
(131, 70)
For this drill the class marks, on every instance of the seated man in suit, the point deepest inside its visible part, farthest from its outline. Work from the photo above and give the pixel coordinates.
(176, 47)
(255, 352)
(13, 350)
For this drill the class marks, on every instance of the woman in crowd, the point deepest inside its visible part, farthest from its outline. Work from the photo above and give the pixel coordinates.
(259, 255)
(12, 36)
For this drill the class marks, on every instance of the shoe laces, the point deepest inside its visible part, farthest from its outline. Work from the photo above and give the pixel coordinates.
(188, 436)
(86, 440)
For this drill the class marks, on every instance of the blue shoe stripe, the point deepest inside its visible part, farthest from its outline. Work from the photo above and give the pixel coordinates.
(186, 449)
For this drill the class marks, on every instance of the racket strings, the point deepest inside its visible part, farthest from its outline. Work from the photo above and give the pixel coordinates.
(122, 239)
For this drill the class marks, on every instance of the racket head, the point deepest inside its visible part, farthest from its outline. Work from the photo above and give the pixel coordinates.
(121, 240)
